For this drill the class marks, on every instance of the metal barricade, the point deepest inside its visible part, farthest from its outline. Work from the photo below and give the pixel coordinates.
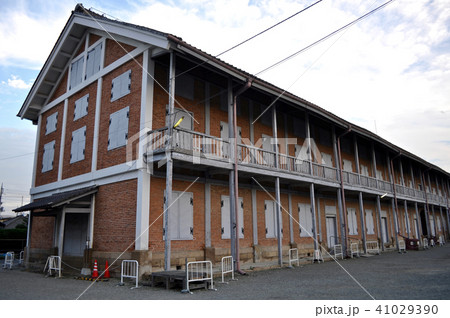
(21, 257)
(9, 260)
(425, 243)
(401, 246)
(130, 269)
(227, 267)
(441, 240)
(432, 242)
(338, 251)
(53, 264)
(293, 256)
(199, 271)
(354, 249)
(372, 246)
(317, 256)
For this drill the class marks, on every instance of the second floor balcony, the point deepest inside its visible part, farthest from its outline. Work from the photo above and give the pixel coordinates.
(195, 145)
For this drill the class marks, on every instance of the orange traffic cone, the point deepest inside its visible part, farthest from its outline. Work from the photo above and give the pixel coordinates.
(106, 273)
(95, 271)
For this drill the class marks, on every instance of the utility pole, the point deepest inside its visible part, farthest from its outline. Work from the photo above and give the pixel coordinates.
(1, 202)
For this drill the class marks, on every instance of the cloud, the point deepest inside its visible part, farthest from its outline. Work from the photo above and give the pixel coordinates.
(15, 82)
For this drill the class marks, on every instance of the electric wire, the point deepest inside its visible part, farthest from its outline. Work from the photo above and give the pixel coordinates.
(251, 38)
(324, 38)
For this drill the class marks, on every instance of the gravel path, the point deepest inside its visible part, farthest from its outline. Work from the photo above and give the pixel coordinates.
(414, 275)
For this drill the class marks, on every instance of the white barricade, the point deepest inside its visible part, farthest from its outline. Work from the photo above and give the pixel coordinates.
(441, 240)
(425, 244)
(401, 246)
(317, 256)
(293, 256)
(199, 271)
(372, 246)
(227, 267)
(9, 260)
(432, 243)
(21, 257)
(53, 264)
(130, 269)
(338, 251)
(354, 249)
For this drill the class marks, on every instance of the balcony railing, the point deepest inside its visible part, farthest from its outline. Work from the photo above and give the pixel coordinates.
(210, 147)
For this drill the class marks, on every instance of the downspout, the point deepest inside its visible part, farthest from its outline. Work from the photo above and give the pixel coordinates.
(236, 159)
(344, 206)
(395, 199)
(427, 215)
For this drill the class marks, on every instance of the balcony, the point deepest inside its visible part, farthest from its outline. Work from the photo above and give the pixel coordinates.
(198, 145)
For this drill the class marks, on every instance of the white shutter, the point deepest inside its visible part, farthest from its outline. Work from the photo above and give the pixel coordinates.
(369, 222)
(305, 218)
(269, 216)
(76, 72)
(348, 165)
(225, 216)
(113, 128)
(326, 159)
(379, 175)
(93, 60)
(224, 133)
(52, 123)
(352, 221)
(78, 145)
(121, 86)
(241, 217)
(48, 156)
(118, 128)
(81, 107)
(186, 216)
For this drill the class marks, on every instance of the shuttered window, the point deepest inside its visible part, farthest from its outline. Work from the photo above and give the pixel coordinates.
(348, 165)
(118, 128)
(181, 218)
(271, 219)
(352, 221)
(93, 60)
(121, 86)
(78, 145)
(225, 216)
(369, 222)
(81, 107)
(48, 156)
(52, 123)
(305, 220)
(76, 72)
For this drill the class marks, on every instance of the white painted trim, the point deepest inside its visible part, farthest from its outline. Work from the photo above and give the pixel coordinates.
(61, 231)
(113, 174)
(36, 152)
(62, 141)
(91, 221)
(77, 210)
(124, 59)
(117, 38)
(98, 106)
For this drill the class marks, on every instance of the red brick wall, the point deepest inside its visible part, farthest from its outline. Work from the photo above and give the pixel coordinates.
(52, 175)
(93, 38)
(133, 100)
(115, 216)
(115, 51)
(42, 232)
(83, 166)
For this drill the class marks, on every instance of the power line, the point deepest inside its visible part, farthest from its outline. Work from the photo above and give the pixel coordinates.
(324, 38)
(252, 37)
(26, 154)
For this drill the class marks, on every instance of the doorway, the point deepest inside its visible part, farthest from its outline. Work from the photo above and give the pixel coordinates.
(331, 231)
(75, 234)
(384, 229)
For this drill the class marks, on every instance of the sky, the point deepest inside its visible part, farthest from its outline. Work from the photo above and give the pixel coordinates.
(389, 73)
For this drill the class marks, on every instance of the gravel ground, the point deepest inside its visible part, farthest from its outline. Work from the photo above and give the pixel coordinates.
(414, 275)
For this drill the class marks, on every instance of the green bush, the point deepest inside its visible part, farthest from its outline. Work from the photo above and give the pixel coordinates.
(17, 233)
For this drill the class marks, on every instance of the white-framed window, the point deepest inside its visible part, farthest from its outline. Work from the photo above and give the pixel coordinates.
(76, 72)
(48, 156)
(78, 145)
(271, 219)
(369, 222)
(352, 222)
(93, 60)
(121, 85)
(52, 123)
(81, 107)
(184, 86)
(118, 128)
(305, 219)
(348, 165)
(181, 217)
(225, 216)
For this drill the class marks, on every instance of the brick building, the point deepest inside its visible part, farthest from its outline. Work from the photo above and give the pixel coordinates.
(109, 160)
